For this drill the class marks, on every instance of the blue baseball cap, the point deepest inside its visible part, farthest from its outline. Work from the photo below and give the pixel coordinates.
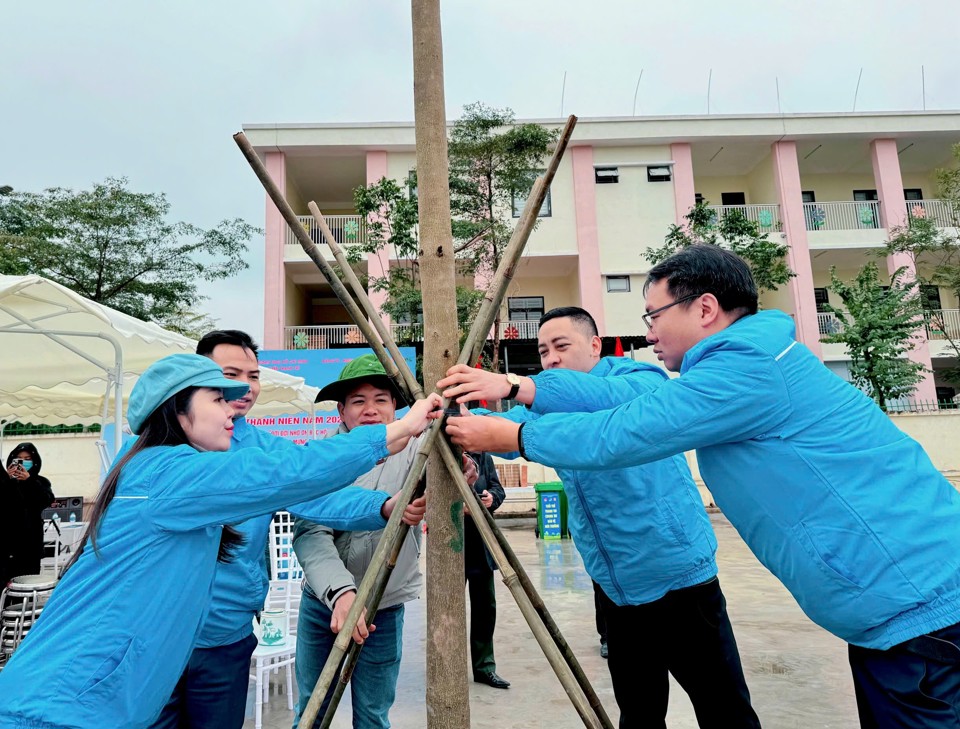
(168, 376)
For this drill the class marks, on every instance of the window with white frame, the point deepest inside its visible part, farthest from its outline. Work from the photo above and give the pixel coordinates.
(618, 284)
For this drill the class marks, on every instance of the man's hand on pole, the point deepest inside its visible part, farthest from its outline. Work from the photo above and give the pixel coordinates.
(483, 433)
(340, 609)
(468, 384)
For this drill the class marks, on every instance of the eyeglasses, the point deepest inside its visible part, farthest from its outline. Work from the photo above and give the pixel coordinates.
(648, 318)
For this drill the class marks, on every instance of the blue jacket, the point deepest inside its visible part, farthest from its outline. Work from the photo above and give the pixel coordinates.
(240, 586)
(118, 630)
(844, 508)
(642, 531)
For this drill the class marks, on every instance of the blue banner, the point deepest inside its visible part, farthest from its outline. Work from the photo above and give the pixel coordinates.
(318, 367)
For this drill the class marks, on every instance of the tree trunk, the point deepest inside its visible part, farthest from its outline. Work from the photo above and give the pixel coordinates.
(448, 700)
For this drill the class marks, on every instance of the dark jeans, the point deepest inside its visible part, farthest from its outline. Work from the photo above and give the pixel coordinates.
(914, 685)
(688, 634)
(212, 692)
(483, 619)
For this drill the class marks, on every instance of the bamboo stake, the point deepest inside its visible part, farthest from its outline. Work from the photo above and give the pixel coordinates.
(414, 391)
(481, 325)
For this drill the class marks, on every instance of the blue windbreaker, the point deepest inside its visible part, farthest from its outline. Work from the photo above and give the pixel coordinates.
(118, 630)
(240, 586)
(843, 507)
(642, 531)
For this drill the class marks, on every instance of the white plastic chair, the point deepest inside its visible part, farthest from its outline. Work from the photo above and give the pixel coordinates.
(286, 577)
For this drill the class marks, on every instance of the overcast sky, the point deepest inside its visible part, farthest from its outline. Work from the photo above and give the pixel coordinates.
(154, 91)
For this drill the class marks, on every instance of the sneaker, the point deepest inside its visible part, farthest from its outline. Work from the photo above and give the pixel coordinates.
(604, 651)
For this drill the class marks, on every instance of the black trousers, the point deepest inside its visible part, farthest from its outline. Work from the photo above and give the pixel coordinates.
(483, 619)
(685, 633)
(598, 610)
(212, 692)
(913, 685)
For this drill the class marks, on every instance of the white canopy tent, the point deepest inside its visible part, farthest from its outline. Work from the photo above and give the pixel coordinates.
(64, 356)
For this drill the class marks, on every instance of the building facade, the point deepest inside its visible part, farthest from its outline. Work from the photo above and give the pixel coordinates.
(830, 185)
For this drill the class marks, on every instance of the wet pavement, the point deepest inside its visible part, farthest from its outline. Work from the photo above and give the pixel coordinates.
(797, 673)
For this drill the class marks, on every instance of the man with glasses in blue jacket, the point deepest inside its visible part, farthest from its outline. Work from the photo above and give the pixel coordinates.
(642, 531)
(843, 507)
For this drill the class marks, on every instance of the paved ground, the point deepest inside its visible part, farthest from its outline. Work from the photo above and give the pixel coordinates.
(797, 673)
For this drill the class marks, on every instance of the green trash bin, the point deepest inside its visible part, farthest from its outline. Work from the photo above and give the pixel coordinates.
(551, 510)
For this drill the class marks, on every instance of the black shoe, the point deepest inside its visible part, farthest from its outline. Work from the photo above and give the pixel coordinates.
(491, 679)
(604, 651)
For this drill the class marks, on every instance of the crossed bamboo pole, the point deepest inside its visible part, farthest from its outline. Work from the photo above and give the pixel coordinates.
(344, 653)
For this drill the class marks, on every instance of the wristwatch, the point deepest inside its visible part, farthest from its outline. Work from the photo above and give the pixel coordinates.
(514, 381)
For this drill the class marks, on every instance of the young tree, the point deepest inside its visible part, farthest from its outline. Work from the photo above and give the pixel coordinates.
(732, 231)
(116, 247)
(877, 327)
(493, 163)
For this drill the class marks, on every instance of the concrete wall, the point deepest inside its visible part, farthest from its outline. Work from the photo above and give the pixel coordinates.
(558, 233)
(623, 309)
(634, 214)
(555, 290)
(837, 188)
(296, 305)
(761, 188)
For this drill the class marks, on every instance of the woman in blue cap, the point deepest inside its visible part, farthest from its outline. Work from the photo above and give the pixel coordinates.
(118, 629)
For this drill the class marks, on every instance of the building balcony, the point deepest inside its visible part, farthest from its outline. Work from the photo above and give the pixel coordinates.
(941, 324)
(767, 217)
(347, 230)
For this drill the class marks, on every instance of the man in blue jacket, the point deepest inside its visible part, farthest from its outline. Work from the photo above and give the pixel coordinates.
(212, 691)
(844, 508)
(642, 531)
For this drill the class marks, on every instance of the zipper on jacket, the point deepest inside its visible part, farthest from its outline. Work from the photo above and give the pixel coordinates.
(598, 541)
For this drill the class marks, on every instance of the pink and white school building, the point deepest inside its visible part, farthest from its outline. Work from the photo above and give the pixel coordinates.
(831, 185)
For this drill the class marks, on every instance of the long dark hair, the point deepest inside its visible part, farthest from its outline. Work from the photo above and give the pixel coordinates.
(162, 428)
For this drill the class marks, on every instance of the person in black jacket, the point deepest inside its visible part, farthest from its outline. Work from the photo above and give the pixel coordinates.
(479, 567)
(25, 494)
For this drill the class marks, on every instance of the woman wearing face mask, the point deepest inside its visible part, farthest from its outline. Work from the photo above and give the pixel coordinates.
(119, 627)
(25, 495)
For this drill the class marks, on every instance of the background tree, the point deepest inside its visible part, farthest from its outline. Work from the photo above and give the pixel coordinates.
(392, 215)
(936, 260)
(117, 247)
(493, 163)
(734, 232)
(491, 160)
(877, 328)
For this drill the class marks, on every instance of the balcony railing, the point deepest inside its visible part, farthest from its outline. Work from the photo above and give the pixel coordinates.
(828, 323)
(519, 329)
(347, 230)
(765, 216)
(336, 335)
(322, 337)
(940, 211)
(941, 324)
(842, 215)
